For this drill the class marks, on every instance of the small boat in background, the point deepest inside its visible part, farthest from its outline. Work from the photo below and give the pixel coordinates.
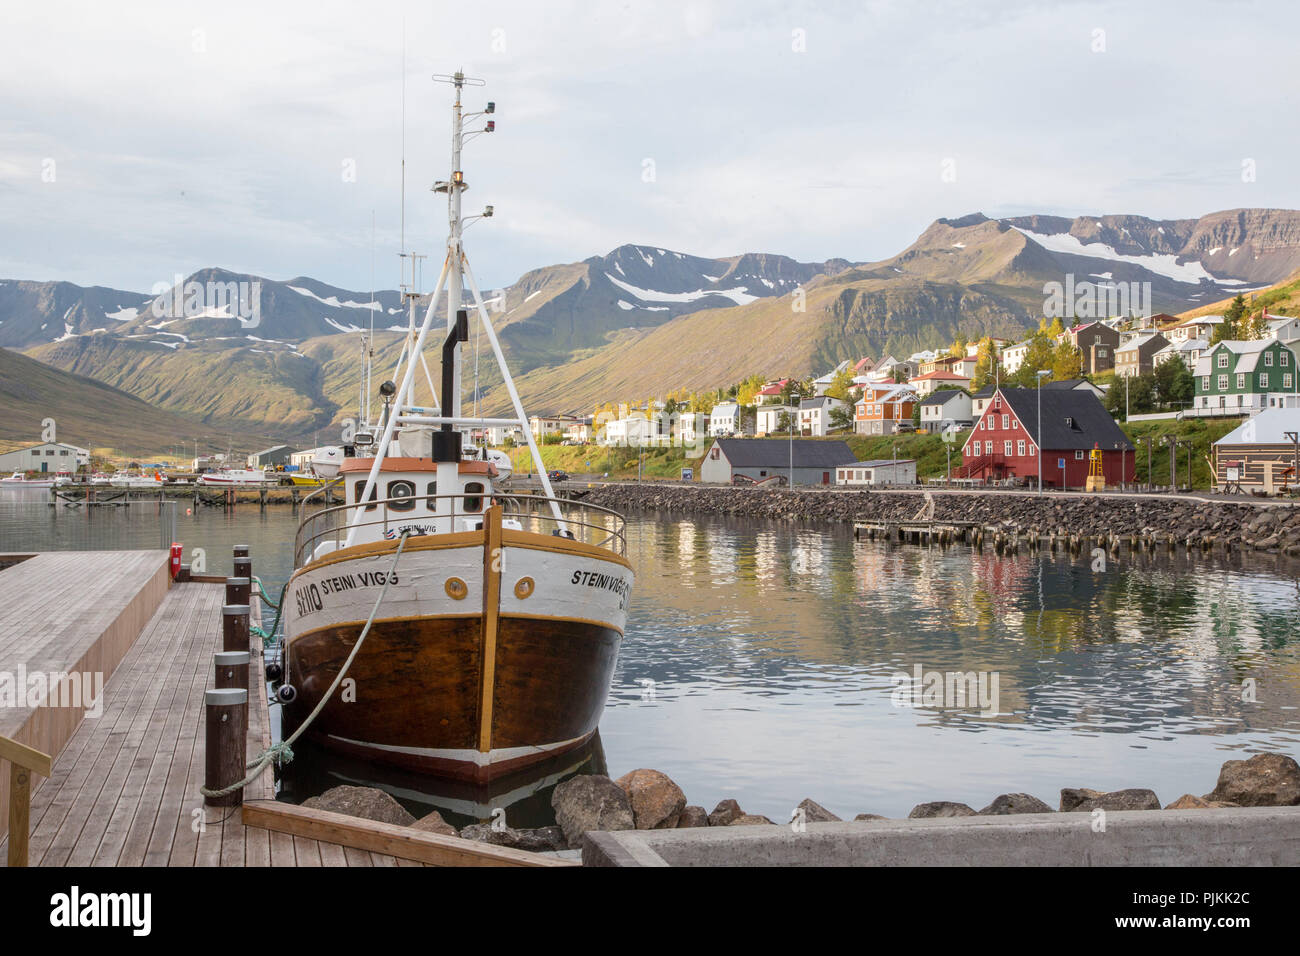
(238, 478)
(19, 480)
(136, 481)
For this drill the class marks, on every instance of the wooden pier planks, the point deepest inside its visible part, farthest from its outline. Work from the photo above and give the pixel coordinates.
(74, 612)
(125, 790)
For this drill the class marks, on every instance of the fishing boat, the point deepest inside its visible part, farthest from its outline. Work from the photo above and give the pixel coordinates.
(137, 480)
(491, 623)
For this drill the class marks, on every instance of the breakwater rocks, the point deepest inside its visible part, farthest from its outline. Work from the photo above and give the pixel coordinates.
(650, 800)
(996, 518)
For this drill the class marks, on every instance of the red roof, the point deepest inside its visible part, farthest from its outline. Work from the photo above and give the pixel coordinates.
(774, 388)
(940, 374)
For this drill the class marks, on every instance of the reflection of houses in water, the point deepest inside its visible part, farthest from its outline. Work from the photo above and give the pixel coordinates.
(686, 549)
(807, 554)
(767, 557)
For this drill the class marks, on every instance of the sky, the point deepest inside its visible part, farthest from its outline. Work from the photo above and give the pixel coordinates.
(140, 140)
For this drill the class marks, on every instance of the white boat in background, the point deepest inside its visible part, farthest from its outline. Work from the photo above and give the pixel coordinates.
(239, 478)
(137, 481)
(99, 478)
(19, 480)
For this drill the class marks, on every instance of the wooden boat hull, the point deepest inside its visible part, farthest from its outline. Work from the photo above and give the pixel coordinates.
(492, 650)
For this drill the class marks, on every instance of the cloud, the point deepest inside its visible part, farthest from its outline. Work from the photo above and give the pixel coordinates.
(266, 137)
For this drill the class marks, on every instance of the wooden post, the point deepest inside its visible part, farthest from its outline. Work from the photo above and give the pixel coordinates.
(237, 590)
(20, 805)
(231, 669)
(24, 761)
(234, 630)
(244, 567)
(240, 551)
(226, 716)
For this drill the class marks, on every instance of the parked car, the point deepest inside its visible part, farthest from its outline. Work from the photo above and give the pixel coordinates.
(558, 475)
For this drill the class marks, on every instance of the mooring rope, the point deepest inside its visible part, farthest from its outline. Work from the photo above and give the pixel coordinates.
(266, 598)
(282, 752)
(279, 609)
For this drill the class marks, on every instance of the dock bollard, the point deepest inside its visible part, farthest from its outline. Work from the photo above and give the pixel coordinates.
(240, 550)
(231, 669)
(234, 629)
(243, 567)
(237, 590)
(226, 714)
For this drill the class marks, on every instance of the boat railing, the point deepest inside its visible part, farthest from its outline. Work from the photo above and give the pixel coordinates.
(426, 514)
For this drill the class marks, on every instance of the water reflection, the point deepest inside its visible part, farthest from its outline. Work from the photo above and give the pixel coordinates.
(771, 648)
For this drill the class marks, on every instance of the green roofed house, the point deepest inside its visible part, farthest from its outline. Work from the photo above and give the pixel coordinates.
(1243, 378)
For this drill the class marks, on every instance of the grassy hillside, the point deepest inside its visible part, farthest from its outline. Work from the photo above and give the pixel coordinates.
(94, 415)
(1280, 299)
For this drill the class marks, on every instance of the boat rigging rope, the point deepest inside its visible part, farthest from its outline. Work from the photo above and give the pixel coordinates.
(282, 752)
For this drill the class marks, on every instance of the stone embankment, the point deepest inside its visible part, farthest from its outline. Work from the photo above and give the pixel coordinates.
(1076, 521)
(650, 800)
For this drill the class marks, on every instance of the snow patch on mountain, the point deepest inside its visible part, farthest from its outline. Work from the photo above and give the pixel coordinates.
(738, 295)
(1166, 265)
(334, 300)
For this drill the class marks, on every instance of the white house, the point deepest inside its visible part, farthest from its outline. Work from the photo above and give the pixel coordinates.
(691, 427)
(1201, 327)
(724, 420)
(815, 415)
(49, 456)
(1189, 350)
(635, 431)
(1013, 356)
(949, 406)
(497, 434)
(769, 418)
(579, 430)
(1285, 330)
(820, 385)
(545, 425)
(883, 471)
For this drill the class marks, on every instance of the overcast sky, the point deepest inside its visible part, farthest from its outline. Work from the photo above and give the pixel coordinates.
(135, 145)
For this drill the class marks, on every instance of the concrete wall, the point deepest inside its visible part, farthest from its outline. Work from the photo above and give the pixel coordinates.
(1257, 836)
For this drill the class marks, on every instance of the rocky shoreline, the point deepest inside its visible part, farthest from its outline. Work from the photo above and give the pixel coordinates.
(1012, 518)
(649, 800)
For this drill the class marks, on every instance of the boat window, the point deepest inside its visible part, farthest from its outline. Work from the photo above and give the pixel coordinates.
(360, 486)
(473, 496)
(432, 492)
(401, 495)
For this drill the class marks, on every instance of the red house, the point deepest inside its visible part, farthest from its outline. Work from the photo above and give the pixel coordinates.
(1005, 440)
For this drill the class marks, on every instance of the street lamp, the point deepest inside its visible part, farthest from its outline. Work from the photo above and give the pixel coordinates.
(1040, 375)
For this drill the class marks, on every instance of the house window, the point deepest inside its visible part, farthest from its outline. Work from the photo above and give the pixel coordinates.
(1078, 454)
(1223, 360)
(1020, 448)
(714, 453)
(1223, 383)
(1006, 421)
(1241, 379)
(1006, 448)
(1101, 353)
(1033, 450)
(1284, 358)
(1263, 380)
(1268, 358)
(981, 424)
(1286, 379)
(1205, 383)
(988, 448)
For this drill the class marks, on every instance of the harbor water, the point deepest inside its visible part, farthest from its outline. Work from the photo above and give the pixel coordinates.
(772, 662)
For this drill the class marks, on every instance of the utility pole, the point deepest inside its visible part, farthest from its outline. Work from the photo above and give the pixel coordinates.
(1040, 374)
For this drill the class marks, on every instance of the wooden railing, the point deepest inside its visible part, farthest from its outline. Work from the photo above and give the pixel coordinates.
(23, 762)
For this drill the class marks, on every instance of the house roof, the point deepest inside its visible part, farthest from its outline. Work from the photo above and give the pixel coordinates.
(1068, 384)
(1266, 428)
(1247, 355)
(941, 375)
(877, 462)
(821, 401)
(267, 451)
(944, 396)
(1138, 342)
(892, 393)
(1090, 423)
(774, 388)
(765, 453)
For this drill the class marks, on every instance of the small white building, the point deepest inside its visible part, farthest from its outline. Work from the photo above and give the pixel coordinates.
(724, 420)
(770, 421)
(815, 415)
(1189, 350)
(951, 406)
(635, 431)
(1013, 356)
(883, 471)
(545, 425)
(49, 457)
(690, 427)
(497, 434)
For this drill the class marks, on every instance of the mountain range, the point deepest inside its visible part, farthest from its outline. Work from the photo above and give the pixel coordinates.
(638, 322)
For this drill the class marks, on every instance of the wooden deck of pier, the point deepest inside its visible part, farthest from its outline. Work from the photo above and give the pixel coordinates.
(919, 531)
(125, 785)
